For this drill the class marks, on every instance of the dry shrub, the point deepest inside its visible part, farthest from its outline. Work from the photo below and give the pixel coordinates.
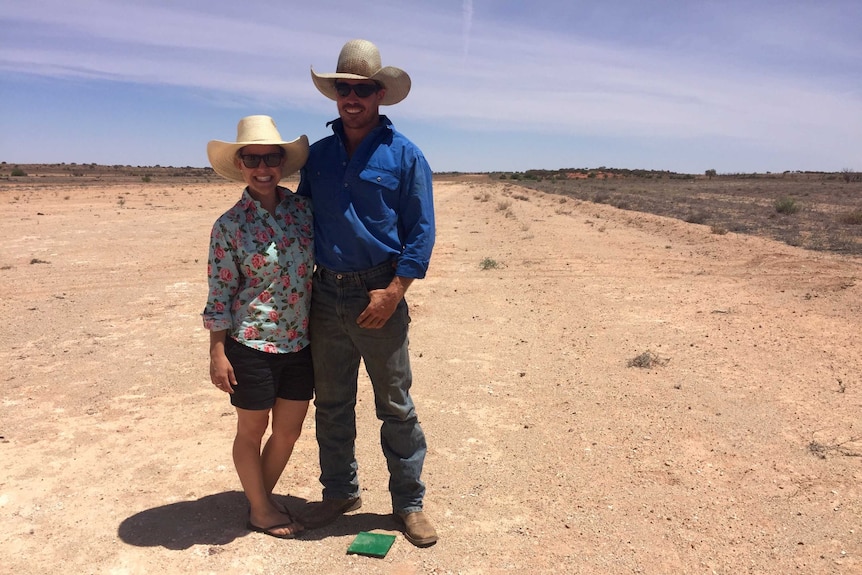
(647, 360)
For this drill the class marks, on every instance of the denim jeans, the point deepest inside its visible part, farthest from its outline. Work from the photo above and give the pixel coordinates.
(339, 343)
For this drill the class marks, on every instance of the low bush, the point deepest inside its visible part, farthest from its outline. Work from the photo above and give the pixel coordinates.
(786, 206)
(852, 218)
(489, 264)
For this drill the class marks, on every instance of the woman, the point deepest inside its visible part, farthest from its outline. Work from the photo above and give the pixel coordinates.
(260, 265)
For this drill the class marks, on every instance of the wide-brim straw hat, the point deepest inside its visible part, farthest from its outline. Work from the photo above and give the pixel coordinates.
(259, 130)
(360, 60)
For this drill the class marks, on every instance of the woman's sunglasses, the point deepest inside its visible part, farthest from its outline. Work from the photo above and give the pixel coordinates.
(253, 160)
(361, 90)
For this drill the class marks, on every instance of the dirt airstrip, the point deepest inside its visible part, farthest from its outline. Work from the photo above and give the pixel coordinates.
(604, 391)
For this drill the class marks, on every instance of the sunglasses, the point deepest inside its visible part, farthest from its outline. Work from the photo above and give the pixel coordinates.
(361, 90)
(253, 160)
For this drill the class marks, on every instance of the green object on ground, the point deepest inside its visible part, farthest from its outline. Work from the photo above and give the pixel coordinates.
(371, 544)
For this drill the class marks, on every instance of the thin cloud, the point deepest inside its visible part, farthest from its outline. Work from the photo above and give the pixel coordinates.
(779, 74)
(467, 11)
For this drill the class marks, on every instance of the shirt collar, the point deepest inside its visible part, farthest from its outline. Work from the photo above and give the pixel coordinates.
(248, 202)
(338, 126)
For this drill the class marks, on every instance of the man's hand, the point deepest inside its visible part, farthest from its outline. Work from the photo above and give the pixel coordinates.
(383, 303)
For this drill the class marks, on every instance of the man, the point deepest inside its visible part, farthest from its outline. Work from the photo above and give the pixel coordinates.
(374, 232)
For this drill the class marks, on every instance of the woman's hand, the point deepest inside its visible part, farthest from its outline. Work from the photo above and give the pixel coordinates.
(221, 373)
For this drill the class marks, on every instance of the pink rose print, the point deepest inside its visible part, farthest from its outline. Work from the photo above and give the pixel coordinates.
(265, 297)
(225, 274)
(219, 306)
(292, 334)
(270, 348)
(250, 333)
(219, 252)
(273, 315)
(285, 281)
(262, 237)
(293, 298)
(302, 269)
(258, 261)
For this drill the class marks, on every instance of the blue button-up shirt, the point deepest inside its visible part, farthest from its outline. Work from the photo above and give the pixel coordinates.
(373, 207)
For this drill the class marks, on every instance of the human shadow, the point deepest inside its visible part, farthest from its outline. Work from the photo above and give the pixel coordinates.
(215, 519)
(221, 518)
(351, 524)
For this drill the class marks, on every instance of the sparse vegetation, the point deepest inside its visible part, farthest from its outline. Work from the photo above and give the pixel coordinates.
(822, 450)
(18, 172)
(738, 203)
(786, 206)
(489, 264)
(647, 360)
(696, 217)
(601, 198)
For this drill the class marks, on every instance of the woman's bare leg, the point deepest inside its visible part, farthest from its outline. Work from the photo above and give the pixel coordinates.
(251, 426)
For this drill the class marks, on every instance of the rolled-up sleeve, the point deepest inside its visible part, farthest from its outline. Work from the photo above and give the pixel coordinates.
(417, 226)
(223, 281)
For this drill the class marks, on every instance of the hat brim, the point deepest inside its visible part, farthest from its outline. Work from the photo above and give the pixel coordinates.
(395, 80)
(222, 156)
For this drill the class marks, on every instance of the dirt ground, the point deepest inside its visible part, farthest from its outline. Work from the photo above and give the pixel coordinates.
(603, 392)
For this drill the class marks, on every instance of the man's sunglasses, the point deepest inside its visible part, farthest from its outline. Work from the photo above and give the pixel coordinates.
(361, 90)
(253, 160)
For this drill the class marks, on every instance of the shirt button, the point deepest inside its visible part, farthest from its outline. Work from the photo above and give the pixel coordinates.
(346, 185)
(378, 178)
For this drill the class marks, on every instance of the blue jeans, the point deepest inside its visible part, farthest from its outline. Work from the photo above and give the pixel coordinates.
(339, 343)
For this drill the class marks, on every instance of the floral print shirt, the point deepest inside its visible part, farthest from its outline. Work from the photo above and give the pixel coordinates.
(259, 271)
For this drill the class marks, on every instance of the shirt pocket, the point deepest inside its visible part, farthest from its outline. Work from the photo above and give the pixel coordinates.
(379, 195)
(380, 176)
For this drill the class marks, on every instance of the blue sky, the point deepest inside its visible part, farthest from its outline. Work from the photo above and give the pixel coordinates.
(736, 86)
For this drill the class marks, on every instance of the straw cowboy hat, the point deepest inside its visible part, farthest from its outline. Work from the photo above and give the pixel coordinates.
(360, 60)
(256, 130)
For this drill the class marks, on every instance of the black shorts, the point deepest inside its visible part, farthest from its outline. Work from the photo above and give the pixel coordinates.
(261, 377)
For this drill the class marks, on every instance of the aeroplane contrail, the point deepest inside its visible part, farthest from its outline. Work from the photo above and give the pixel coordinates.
(467, 9)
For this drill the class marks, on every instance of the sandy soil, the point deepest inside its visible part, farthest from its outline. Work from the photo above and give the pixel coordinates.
(737, 450)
